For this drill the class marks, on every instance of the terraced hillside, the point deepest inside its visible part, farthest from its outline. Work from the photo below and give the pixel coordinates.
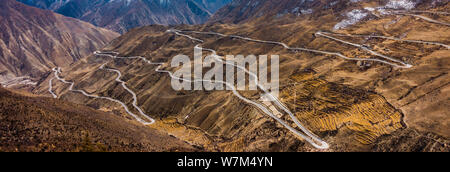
(329, 106)
(377, 82)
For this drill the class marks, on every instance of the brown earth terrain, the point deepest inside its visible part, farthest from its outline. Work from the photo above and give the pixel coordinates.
(30, 123)
(352, 105)
(33, 41)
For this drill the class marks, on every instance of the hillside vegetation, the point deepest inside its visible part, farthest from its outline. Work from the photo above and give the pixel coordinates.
(43, 124)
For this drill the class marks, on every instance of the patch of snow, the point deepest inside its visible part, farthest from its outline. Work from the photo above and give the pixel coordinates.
(333, 3)
(401, 4)
(354, 1)
(127, 2)
(353, 17)
(308, 11)
(369, 9)
(356, 15)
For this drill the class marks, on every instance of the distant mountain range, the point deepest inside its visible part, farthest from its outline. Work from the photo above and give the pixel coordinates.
(32, 41)
(122, 15)
(241, 11)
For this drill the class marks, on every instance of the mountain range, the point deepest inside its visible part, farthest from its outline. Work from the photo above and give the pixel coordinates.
(354, 75)
(354, 105)
(33, 41)
(122, 15)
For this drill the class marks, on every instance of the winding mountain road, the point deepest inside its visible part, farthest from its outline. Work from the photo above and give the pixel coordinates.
(312, 139)
(135, 102)
(57, 71)
(403, 65)
(390, 38)
(423, 17)
(321, 145)
(422, 11)
(303, 133)
(309, 137)
(50, 88)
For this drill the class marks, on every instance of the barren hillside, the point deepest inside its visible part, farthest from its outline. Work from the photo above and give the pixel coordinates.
(30, 123)
(361, 77)
(32, 41)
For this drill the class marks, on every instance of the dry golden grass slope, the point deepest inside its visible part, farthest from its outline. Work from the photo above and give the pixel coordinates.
(354, 106)
(43, 124)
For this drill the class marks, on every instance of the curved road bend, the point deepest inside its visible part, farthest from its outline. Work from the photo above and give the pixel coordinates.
(312, 139)
(316, 142)
(50, 88)
(421, 11)
(135, 102)
(404, 65)
(423, 17)
(272, 97)
(57, 71)
(390, 38)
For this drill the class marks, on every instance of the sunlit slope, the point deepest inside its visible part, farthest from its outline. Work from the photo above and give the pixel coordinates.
(43, 124)
(351, 104)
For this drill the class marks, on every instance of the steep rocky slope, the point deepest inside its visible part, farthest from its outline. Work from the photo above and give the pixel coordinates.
(122, 15)
(354, 105)
(212, 5)
(32, 41)
(245, 10)
(30, 123)
(241, 11)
